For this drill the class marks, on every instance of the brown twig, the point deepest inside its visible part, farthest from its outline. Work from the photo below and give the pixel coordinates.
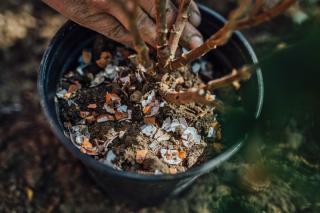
(193, 95)
(223, 35)
(201, 95)
(162, 32)
(236, 75)
(178, 27)
(139, 45)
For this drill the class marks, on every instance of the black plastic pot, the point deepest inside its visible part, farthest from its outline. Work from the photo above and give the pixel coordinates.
(66, 46)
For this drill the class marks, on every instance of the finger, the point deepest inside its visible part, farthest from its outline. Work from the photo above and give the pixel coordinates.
(110, 27)
(145, 24)
(194, 13)
(191, 37)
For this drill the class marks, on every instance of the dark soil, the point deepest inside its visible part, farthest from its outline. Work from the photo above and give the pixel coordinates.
(114, 112)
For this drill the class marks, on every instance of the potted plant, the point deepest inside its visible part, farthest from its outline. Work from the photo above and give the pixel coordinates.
(147, 124)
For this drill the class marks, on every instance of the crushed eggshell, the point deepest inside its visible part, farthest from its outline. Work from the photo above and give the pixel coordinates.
(148, 130)
(182, 154)
(170, 156)
(149, 98)
(190, 135)
(104, 118)
(122, 108)
(61, 93)
(109, 158)
(147, 109)
(98, 79)
(109, 109)
(111, 71)
(174, 125)
(161, 136)
(211, 132)
(92, 106)
(112, 98)
(150, 120)
(86, 143)
(120, 115)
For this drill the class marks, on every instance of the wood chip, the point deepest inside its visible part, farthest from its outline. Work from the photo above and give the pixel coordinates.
(150, 120)
(140, 155)
(86, 56)
(172, 170)
(86, 143)
(120, 115)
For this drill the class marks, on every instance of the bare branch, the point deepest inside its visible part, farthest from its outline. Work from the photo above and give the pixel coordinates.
(243, 74)
(193, 95)
(223, 35)
(139, 45)
(162, 31)
(178, 27)
(201, 95)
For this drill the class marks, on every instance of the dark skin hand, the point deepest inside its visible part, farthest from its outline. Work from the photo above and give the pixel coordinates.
(105, 17)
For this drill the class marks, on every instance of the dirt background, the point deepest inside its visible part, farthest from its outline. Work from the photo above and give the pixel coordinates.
(37, 174)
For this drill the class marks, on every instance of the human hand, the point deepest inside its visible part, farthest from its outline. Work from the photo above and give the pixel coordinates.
(105, 17)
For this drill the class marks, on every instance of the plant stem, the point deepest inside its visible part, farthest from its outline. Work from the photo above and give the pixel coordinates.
(243, 74)
(139, 45)
(223, 35)
(178, 27)
(162, 31)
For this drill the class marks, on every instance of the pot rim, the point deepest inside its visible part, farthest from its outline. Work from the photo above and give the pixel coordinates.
(103, 168)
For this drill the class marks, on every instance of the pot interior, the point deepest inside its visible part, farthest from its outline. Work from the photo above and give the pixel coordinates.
(66, 47)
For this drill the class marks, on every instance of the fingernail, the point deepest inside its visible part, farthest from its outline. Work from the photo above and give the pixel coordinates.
(195, 18)
(195, 41)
